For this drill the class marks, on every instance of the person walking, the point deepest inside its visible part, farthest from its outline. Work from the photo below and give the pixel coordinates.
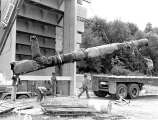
(16, 81)
(85, 83)
(53, 83)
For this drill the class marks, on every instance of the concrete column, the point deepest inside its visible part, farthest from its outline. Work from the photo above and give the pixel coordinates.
(69, 42)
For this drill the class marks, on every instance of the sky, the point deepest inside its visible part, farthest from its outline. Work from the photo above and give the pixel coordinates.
(139, 12)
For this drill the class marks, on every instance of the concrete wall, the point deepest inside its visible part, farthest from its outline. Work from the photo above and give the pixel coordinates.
(56, 24)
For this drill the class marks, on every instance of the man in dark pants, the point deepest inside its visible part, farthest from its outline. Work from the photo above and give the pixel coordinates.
(15, 83)
(53, 83)
(41, 92)
(85, 83)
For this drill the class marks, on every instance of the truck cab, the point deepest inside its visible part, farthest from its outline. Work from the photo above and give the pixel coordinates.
(6, 89)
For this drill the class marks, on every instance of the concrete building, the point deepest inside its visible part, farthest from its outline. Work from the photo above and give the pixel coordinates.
(58, 25)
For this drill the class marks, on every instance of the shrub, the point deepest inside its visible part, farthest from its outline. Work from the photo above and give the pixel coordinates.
(119, 70)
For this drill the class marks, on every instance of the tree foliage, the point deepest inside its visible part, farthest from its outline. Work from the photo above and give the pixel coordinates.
(99, 32)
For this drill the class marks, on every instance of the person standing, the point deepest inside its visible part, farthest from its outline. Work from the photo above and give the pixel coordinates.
(150, 66)
(85, 83)
(53, 84)
(15, 83)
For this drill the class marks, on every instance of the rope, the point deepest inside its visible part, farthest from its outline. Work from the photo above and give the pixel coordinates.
(154, 72)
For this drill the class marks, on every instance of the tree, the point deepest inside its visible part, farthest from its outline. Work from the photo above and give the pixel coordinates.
(148, 28)
(155, 30)
(139, 35)
(90, 40)
(119, 31)
(98, 32)
(133, 28)
(100, 29)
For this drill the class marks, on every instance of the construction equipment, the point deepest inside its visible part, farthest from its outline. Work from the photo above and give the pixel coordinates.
(7, 23)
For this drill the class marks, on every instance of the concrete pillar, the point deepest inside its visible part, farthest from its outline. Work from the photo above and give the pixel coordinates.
(69, 42)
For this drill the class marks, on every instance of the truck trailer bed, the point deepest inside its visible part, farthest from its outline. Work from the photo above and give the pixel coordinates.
(137, 79)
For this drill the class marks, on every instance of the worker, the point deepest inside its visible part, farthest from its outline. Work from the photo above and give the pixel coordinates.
(53, 83)
(85, 83)
(41, 93)
(150, 66)
(16, 81)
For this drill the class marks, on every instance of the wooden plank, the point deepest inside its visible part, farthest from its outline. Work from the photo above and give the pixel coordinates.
(70, 111)
(67, 110)
(81, 11)
(5, 111)
(6, 107)
(78, 110)
(23, 107)
(61, 106)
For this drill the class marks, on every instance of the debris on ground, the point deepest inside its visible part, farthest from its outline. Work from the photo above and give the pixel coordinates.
(67, 110)
(27, 117)
(6, 107)
(122, 101)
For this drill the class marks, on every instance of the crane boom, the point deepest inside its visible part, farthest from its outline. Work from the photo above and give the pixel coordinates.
(8, 22)
(41, 62)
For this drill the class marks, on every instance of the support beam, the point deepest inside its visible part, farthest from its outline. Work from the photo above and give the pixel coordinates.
(26, 8)
(60, 18)
(70, 35)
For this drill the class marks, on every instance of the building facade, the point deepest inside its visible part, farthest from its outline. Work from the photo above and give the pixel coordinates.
(58, 27)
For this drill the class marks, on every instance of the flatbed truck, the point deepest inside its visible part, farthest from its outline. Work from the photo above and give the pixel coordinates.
(120, 86)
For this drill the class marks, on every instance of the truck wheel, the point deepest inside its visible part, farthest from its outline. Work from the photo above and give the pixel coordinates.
(133, 91)
(23, 97)
(121, 91)
(100, 93)
(7, 98)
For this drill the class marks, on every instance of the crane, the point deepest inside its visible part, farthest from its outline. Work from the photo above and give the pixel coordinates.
(8, 22)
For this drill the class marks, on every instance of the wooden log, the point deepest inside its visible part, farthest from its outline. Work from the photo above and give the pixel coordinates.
(103, 106)
(23, 107)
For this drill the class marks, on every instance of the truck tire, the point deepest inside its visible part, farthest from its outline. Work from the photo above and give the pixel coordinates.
(23, 97)
(133, 91)
(100, 93)
(7, 97)
(121, 91)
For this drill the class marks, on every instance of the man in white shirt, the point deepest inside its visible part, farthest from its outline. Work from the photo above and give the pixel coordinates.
(150, 65)
(85, 83)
